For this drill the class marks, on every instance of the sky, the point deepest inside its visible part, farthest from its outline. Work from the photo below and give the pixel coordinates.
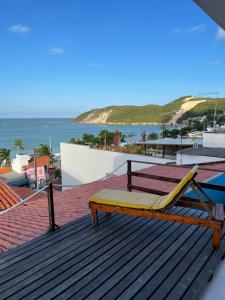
(59, 58)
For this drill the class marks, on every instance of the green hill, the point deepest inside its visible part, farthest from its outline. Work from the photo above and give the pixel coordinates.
(152, 114)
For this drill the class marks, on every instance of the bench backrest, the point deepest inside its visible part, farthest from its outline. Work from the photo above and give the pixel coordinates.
(164, 201)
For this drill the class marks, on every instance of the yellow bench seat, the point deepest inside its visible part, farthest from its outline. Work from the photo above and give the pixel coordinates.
(127, 199)
(142, 200)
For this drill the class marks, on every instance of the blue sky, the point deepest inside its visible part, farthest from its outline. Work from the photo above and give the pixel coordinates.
(62, 57)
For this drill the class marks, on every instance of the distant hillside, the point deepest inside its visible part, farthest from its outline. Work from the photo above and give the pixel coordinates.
(152, 114)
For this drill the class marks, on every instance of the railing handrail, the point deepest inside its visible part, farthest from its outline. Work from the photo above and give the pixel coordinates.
(168, 164)
(183, 166)
(23, 201)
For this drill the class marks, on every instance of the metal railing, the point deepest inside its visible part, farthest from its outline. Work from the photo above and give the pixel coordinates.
(51, 212)
(50, 196)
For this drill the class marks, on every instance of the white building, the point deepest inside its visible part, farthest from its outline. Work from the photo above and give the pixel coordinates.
(213, 150)
(19, 162)
(82, 164)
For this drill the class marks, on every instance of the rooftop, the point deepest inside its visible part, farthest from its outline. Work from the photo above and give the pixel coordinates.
(73, 204)
(172, 142)
(13, 177)
(41, 161)
(204, 151)
(4, 170)
(8, 197)
(125, 258)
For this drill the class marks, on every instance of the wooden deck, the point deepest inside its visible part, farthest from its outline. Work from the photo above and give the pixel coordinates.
(124, 258)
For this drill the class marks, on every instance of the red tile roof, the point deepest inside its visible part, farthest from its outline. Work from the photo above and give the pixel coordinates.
(27, 222)
(41, 161)
(8, 197)
(5, 170)
(24, 192)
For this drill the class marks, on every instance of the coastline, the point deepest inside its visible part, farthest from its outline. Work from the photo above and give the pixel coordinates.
(121, 124)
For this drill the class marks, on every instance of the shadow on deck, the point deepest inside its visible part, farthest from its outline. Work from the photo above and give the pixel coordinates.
(124, 258)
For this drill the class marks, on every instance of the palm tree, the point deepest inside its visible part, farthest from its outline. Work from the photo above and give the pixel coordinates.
(5, 157)
(18, 144)
(44, 150)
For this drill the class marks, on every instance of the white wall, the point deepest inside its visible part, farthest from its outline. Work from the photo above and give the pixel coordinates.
(195, 159)
(81, 164)
(20, 161)
(214, 139)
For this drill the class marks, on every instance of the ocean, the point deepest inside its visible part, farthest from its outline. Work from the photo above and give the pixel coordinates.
(34, 132)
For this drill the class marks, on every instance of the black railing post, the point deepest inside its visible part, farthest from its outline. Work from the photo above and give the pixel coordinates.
(51, 213)
(129, 179)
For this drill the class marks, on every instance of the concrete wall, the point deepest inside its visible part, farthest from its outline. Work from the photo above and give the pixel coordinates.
(19, 162)
(214, 139)
(195, 159)
(81, 164)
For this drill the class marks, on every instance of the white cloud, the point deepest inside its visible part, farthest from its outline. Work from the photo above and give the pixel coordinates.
(217, 62)
(18, 28)
(95, 66)
(192, 29)
(56, 51)
(197, 28)
(220, 34)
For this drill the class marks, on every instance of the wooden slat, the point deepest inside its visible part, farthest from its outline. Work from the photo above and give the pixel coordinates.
(118, 261)
(125, 257)
(75, 242)
(78, 264)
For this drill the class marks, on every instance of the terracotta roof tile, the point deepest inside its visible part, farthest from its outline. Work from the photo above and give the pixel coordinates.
(5, 170)
(26, 222)
(41, 161)
(24, 192)
(8, 197)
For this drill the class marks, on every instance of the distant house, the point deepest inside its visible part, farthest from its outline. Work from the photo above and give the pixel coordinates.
(42, 163)
(26, 164)
(12, 177)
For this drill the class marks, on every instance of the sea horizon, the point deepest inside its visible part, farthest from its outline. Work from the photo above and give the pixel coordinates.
(52, 131)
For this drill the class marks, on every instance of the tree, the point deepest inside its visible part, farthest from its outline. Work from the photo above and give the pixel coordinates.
(18, 144)
(5, 157)
(165, 133)
(153, 136)
(107, 137)
(44, 150)
(174, 133)
(76, 141)
(88, 138)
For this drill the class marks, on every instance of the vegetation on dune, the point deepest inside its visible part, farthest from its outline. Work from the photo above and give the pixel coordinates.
(150, 113)
(207, 109)
(135, 114)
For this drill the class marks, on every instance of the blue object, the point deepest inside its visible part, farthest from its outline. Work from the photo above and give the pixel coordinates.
(216, 196)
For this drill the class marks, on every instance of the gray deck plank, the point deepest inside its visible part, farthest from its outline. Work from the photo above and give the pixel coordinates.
(32, 272)
(54, 248)
(125, 257)
(81, 267)
(136, 279)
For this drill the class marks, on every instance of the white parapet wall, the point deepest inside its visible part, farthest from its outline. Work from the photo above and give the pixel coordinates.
(82, 164)
(184, 159)
(214, 139)
(19, 162)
